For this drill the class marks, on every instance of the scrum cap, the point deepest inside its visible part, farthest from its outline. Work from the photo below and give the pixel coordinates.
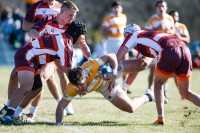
(75, 29)
(131, 28)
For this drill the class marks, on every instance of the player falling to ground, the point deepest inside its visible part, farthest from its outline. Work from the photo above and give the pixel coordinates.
(86, 79)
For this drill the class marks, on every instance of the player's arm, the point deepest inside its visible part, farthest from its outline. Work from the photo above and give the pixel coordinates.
(61, 67)
(121, 52)
(184, 37)
(39, 27)
(33, 33)
(28, 21)
(83, 46)
(27, 25)
(111, 59)
(60, 108)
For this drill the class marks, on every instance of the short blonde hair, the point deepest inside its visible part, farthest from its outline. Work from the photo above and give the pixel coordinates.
(69, 5)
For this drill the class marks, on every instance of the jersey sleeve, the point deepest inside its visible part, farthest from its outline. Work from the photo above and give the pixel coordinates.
(149, 25)
(70, 92)
(30, 14)
(41, 24)
(130, 41)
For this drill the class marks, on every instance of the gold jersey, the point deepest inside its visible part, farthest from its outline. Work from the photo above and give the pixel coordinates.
(95, 82)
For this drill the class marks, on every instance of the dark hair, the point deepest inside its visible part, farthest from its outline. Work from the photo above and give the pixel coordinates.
(75, 75)
(172, 12)
(115, 3)
(160, 1)
(69, 5)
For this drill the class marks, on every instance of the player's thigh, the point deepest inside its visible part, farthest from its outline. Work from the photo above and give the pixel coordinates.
(26, 79)
(13, 75)
(122, 101)
(159, 79)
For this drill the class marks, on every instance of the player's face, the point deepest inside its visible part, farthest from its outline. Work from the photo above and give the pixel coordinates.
(175, 16)
(126, 34)
(83, 84)
(117, 10)
(161, 8)
(68, 15)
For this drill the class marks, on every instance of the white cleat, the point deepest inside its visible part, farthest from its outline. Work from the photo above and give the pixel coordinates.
(30, 118)
(69, 109)
(150, 93)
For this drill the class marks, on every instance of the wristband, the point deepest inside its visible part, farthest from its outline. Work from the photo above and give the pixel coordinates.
(115, 72)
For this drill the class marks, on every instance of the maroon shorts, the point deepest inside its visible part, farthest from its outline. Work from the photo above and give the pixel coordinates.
(21, 63)
(176, 59)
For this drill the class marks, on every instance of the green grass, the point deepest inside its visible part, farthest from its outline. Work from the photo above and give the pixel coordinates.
(94, 114)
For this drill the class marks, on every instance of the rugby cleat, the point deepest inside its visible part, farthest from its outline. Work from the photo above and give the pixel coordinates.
(69, 109)
(30, 118)
(9, 120)
(159, 121)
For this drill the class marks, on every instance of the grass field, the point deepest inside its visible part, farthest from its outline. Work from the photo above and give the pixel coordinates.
(94, 114)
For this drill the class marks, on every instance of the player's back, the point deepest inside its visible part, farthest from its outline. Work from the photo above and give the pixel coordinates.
(41, 9)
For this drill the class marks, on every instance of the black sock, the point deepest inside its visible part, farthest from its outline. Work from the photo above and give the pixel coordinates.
(149, 96)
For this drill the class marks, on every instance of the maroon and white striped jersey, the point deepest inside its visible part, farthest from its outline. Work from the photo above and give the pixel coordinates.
(49, 25)
(50, 47)
(151, 43)
(41, 9)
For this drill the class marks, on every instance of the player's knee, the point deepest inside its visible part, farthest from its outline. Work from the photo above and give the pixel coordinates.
(185, 94)
(130, 109)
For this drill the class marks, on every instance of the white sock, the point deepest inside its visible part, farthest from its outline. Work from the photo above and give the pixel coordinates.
(18, 112)
(33, 110)
(146, 98)
(8, 102)
(151, 88)
(58, 100)
(164, 86)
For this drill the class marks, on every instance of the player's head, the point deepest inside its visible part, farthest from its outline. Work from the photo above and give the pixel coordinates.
(161, 7)
(75, 30)
(76, 76)
(175, 15)
(131, 28)
(116, 7)
(68, 12)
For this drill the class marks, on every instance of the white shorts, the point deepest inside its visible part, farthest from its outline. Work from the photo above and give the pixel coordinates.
(113, 45)
(110, 96)
(104, 91)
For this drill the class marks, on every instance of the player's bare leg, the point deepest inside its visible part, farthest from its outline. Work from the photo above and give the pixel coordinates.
(13, 83)
(159, 96)
(12, 86)
(187, 93)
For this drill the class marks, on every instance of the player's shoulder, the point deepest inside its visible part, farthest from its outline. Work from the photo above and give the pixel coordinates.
(178, 24)
(155, 15)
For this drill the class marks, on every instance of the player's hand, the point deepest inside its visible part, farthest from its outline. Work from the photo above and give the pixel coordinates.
(111, 78)
(82, 92)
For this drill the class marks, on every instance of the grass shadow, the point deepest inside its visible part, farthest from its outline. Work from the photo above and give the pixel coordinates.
(102, 123)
